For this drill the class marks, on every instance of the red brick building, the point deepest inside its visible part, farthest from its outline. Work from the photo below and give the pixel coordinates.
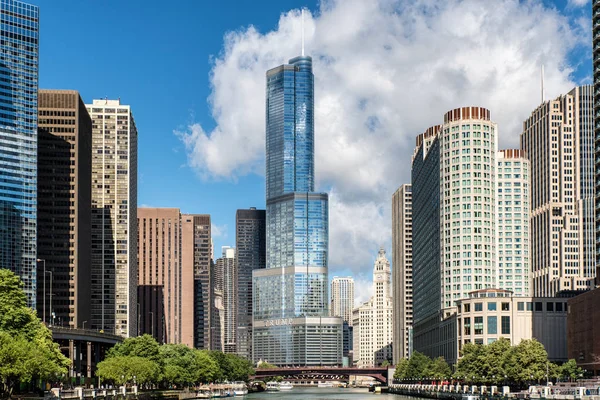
(583, 330)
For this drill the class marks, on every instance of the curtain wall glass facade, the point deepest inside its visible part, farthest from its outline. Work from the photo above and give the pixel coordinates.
(18, 141)
(290, 298)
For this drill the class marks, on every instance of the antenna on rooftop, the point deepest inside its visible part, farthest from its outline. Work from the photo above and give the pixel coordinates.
(543, 93)
(303, 32)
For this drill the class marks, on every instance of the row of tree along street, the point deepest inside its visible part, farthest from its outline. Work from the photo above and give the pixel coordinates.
(28, 354)
(141, 360)
(497, 363)
(29, 357)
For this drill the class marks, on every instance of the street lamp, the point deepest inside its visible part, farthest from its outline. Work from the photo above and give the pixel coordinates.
(51, 313)
(44, 309)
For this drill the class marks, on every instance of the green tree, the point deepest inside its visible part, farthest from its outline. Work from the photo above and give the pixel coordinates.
(401, 368)
(527, 361)
(231, 367)
(418, 365)
(221, 361)
(144, 346)
(469, 366)
(493, 360)
(570, 370)
(265, 365)
(208, 369)
(26, 346)
(179, 364)
(239, 369)
(15, 317)
(439, 369)
(123, 369)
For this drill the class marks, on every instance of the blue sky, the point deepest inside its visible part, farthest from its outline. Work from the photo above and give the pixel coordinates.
(159, 57)
(156, 59)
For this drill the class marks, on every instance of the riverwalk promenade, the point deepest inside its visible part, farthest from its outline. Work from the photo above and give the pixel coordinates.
(474, 392)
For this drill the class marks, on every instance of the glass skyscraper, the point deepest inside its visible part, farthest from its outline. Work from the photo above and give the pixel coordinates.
(18, 141)
(290, 300)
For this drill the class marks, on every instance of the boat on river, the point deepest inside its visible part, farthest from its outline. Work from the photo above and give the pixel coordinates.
(286, 386)
(239, 389)
(273, 387)
(325, 384)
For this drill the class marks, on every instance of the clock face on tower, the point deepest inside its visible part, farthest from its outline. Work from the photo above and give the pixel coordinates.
(378, 277)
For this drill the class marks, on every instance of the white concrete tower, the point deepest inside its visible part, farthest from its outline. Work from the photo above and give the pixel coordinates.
(375, 318)
(342, 298)
(512, 233)
(468, 146)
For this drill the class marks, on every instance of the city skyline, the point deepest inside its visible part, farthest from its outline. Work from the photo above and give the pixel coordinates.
(489, 217)
(369, 198)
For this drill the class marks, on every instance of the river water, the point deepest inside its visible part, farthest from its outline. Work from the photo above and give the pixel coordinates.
(314, 393)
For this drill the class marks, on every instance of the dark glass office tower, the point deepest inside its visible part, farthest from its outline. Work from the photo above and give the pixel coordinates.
(291, 324)
(18, 141)
(250, 240)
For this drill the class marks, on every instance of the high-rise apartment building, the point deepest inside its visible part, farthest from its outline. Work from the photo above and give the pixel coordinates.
(196, 251)
(402, 262)
(558, 141)
(454, 223)
(228, 299)
(373, 334)
(165, 279)
(596, 117)
(114, 273)
(291, 324)
(342, 298)
(18, 142)
(64, 208)
(426, 241)
(512, 231)
(250, 243)
(217, 314)
(471, 234)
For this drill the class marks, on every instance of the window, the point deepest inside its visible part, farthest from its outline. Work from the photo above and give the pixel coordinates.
(538, 306)
(492, 306)
(491, 340)
(478, 326)
(492, 325)
(529, 306)
(478, 306)
(467, 308)
(467, 326)
(478, 341)
(520, 306)
(505, 325)
(559, 307)
(505, 306)
(550, 306)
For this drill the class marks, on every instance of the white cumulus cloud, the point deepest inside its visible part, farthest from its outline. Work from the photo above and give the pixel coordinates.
(385, 70)
(578, 3)
(218, 231)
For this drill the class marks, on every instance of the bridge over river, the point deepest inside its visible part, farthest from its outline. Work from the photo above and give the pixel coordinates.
(323, 373)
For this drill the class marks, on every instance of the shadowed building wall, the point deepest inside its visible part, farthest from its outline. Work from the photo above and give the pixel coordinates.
(64, 207)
